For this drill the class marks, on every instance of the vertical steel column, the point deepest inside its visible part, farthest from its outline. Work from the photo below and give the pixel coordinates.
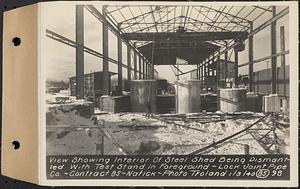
(273, 51)
(144, 68)
(226, 62)
(140, 67)
(152, 70)
(236, 68)
(147, 70)
(128, 63)
(201, 72)
(106, 82)
(79, 52)
(282, 48)
(198, 71)
(218, 72)
(135, 64)
(120, 70)
(206, 74)
(251, 59)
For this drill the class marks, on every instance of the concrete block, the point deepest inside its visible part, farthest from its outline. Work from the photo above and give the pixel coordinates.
(271, 103)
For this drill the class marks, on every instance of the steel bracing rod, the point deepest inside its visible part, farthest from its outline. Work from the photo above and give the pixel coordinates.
(174, 25)
(266, 58)
(117, 9)
(232, 20)
(216, 18)
(250, 23)
(205, 16)
(267, 23)
(144, 18)
(229, 137)
(186, 15)
(127, 22)
(155, 24)
(223, 29)
(172, 70)
(177, 69)
(228, 14)
(160, 18)
(261, 27)
(133, 16)
(153, 18)
(141, 15)
(246, 17)
(148, 27)
(71, 43)
(238, 23)
(265, 9)
(196, 17)
(209, 59)
(262, 13)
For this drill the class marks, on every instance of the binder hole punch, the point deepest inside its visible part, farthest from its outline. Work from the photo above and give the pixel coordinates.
(16, 41)
(16, 145)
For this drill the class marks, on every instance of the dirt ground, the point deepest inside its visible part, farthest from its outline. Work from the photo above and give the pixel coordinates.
(136, 134)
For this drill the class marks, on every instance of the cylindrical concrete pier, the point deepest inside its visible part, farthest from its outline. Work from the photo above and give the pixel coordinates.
(142, 91)
(188, 95)
(232, 100)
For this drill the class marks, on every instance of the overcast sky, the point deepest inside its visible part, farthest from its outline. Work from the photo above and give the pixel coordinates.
(60, 58)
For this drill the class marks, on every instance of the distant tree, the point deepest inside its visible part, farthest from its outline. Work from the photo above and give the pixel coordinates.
(63, 85)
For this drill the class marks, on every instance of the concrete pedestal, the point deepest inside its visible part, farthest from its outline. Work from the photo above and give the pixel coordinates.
(232, 100)
(188, 96)
(142, 91)
(271, 103)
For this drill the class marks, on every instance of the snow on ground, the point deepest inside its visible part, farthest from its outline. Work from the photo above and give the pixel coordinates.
(69, 133)
(137, 134)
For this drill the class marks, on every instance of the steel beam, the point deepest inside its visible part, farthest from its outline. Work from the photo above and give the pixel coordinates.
(93, 10)
(140, 67)
(128, 63)
(218, 72)
(269, 22)
(72, 43)
(144, 68)
(265, 58)
(226, 61)
(273, 51)
(187, 36)
(106, 82)
(135, 64)
(236, 68)
(282, 48)
(152, 70)
(120, 70)
(250, 54)
(79, 43)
